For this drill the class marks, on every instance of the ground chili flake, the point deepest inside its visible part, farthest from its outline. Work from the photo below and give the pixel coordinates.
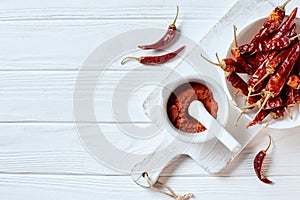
(179, 101)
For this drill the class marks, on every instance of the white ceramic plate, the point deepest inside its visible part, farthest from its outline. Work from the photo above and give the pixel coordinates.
(244, 37)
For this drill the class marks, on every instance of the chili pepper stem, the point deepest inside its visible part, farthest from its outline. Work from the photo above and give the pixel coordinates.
(236, 93)
(289, 111)
(269, 145)
(282, 7)
(235, 45)
(258, 104)
(125, 59)
(250, 90)
(268, 96)
(257, 94)
(175, 19)
(227, 74)
(233, 102)
(296, 36)
(211, 62)
(217, 56)
(272, 116)
(263, 78)
(239, 117)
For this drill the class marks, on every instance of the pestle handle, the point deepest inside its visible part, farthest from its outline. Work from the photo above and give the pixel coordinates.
(198, 111)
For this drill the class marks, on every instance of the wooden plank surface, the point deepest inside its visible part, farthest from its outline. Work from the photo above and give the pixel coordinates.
(43, 45)
(80, 187)
(50, 148)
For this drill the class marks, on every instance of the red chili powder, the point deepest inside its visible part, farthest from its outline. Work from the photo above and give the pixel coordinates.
(179, 101)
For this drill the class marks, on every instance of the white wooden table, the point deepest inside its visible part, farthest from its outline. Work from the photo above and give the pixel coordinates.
(43, 45)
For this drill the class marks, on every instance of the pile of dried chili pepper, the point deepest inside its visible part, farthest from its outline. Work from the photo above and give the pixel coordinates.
(166, 39)
(271, 59)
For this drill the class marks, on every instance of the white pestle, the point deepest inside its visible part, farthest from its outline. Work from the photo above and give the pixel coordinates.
(198, 111)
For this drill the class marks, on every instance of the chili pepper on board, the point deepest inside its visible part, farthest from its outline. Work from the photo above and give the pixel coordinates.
(227, 64)
(272, 23)
(166, 39)
(155, 60)
(278, 80)
(258, 162)
(284, 28)
(267, 45)
(235, 51)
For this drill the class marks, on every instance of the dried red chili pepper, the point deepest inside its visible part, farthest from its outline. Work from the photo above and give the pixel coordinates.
(277, 81)
(235, 51)
(155, 60)
(259, 118)
(267, 45)
(261, 56)
(227, 64)
(271, 103)
(272, 23)
(237, 82)
(258, 162)
(276, 113)
(294, 82)
(252, 61)
(270, 68)
(256, 59)
(257, 76)
(290, 101)
(297, 95)
(283, 30)
(297, 67)
(292, 32)
(166, 39)
(275, 61)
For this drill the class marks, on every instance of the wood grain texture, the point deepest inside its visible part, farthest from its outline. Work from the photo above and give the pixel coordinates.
(51, 148)
(80, 187)
(30, 96)
(58, 35)
(43, 45)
